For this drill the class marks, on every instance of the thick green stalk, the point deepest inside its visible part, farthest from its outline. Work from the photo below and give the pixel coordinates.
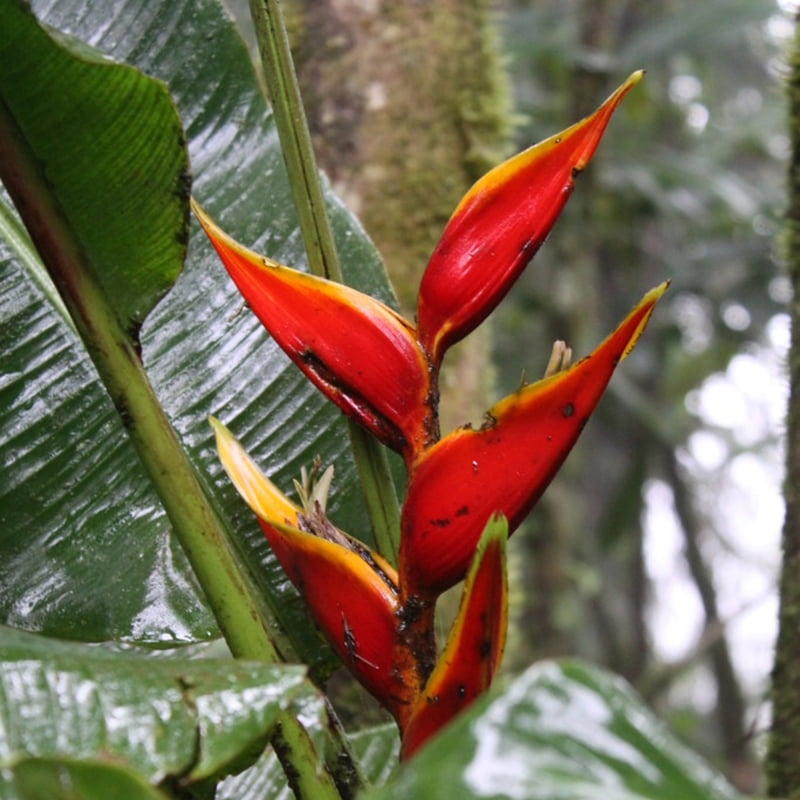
(380, 495)
(298, 152)
(236, 605)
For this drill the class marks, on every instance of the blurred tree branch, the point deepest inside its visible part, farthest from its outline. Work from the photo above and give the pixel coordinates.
(783, 763)
(730, 707)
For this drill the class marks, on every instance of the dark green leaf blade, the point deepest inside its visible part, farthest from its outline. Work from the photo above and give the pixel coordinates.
(560, 731)
(109, 142)
(85, 550)
(28, 778)
(163, 717)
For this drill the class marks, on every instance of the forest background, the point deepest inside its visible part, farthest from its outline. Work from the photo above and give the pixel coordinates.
(656, 550)
(666, 570)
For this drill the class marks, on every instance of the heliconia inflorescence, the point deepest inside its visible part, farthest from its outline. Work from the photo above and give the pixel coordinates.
(359, 352)
(468, 491)
(499, 225)
(505, 465)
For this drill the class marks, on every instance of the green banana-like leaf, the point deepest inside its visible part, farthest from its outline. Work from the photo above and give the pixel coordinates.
(560, 731)
(162, 718)
(85, 548)
(108, 145)
(65, 779)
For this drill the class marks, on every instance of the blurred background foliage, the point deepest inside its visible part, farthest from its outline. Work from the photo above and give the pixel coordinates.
(655, 551)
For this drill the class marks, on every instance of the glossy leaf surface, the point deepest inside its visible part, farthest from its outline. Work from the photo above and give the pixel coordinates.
(26, 778)
(560, 731)
(498, 227)
(133, 228)
(82, 702)
(504, 466)
(85, 549)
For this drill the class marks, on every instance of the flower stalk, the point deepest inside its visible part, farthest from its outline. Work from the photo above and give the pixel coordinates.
(468, 491)
(380, 493)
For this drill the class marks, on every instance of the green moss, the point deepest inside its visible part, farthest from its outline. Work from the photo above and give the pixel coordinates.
(445, 122)
(782, 764)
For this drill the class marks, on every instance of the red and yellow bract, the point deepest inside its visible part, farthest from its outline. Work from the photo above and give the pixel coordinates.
(467, 491)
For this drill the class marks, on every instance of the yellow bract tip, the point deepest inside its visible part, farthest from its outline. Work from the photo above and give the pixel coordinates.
(260, 493)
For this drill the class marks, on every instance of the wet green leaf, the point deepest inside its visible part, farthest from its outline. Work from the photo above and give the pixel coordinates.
(162, 717)
(85, 548)
(64, 779)
(560, 731)
(108, 143)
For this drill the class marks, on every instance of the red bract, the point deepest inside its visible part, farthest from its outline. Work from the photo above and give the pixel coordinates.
(475, 644)
(465, 492)
(498, 227)
(357, 351)
(504, 466)
(351, 591)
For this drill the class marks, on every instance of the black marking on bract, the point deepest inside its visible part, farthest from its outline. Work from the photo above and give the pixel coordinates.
(463, 511)
(486, 648)
(350, 643)
(431, 424)
(390, 434)
(440, 523)
(410, 612)
(366, 555)
(568, 410)
(489, 421)
(317, 524)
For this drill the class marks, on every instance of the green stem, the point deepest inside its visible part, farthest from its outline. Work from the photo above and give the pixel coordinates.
(380, 495)
(301, 164)
(235, 602)
(298, 151)
(17, 238)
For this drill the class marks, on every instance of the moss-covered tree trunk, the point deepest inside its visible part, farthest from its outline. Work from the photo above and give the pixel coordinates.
(783, 759)
(408, 105)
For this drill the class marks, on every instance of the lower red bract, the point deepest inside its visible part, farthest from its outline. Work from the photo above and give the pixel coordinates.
(505, 466)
